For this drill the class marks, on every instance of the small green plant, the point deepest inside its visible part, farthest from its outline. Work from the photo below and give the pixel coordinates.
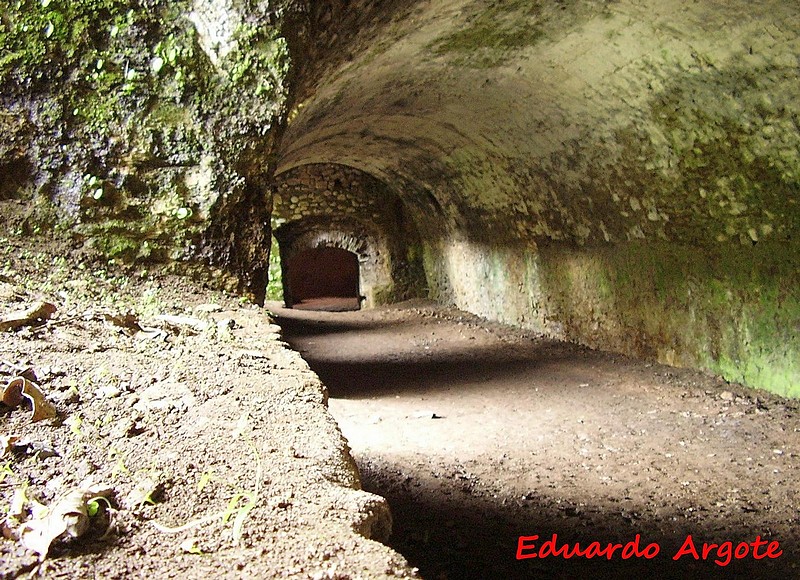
(239, 506)
(74, 422)
(205, 478)
(241, 511)
(93, 505)
(119, 467)
(5, 471)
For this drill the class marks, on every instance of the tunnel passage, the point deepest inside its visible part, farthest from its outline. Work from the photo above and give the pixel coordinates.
(619, 174)
(477, 434)
(332, 205)
(324, 279)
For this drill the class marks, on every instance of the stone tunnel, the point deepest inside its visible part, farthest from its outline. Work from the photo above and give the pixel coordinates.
(614, 177)
(619, 174)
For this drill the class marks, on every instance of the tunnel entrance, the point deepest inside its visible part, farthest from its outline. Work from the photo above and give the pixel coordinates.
(324, 279)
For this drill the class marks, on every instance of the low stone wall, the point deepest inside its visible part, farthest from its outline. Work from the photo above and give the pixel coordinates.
(211, 435)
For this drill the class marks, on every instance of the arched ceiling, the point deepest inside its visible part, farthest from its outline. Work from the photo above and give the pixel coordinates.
(579, 121)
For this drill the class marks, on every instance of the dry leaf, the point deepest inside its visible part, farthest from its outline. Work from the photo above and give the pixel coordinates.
(36, 314)
(16, 509)
(67, 517)
(14, 515)
(9, 530)
(7, 443)
(21, 387)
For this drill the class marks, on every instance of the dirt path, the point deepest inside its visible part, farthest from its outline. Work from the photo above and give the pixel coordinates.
(477, 435)
(173, 436)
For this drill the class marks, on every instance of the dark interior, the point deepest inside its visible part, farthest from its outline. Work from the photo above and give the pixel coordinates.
(323, 279)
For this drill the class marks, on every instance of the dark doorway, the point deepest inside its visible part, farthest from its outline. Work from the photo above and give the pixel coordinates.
(323, 279)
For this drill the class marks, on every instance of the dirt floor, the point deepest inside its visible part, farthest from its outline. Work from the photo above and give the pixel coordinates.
(478, 434)
(187, 440)
(211, 448)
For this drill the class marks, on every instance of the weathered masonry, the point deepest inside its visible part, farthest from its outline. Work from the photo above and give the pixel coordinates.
(621, 174)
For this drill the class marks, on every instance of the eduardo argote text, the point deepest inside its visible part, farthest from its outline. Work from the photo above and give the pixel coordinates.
(721, 554)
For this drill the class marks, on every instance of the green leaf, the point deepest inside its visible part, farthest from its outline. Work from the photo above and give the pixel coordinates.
(92, 507)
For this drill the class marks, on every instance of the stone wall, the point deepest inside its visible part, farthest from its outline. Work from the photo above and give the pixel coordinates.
(329, 205)
(124, 131)
(734, 312)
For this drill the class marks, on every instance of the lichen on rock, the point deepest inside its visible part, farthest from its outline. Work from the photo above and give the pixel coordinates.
(134, 130)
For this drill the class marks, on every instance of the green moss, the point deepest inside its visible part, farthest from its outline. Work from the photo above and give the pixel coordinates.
(122, 93)
(262, 61)
(147, 239)
(492, 35)
(42, 40)
(275, 283)
(436, 279)
(116, 246)
(116, 240)
(732, 310)
(386, 294)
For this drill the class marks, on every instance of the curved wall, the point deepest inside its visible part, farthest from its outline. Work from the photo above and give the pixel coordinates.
(621, 174)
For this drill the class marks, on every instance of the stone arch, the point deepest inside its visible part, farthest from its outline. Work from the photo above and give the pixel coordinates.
(374, 268)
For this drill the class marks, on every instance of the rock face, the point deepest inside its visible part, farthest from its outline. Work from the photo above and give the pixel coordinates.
(620, 174)
(146, 126)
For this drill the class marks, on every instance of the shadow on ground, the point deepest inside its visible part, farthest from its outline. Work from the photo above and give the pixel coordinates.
(452, 525)
(450, 529)
(368, 374)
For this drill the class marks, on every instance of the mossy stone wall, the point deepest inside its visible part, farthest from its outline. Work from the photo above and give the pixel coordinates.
(733, 310)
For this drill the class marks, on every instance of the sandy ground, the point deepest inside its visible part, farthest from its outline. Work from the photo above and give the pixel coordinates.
(478, 434)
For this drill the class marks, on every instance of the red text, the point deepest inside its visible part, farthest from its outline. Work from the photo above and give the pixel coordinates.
(726, 551)
(527, 548)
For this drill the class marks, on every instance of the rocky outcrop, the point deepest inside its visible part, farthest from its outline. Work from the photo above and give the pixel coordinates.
(145, 128)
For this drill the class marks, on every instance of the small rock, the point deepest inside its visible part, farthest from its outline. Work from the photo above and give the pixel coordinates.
(122, 429)
(226, 325)
(107, 392)
(71, 395)
(726, 396)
